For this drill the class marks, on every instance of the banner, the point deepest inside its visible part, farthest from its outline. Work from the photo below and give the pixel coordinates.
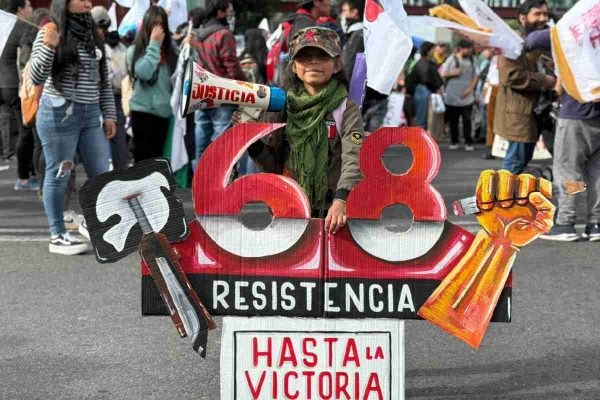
(483, 38)
(576, 50)
(387, 43)
(504, 37)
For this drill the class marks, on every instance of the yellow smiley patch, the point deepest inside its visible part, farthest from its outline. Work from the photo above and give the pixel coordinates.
(356, 137)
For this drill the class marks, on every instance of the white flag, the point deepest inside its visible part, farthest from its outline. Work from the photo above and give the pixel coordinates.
(179, 157)
(387, 42)
(576, 50)
(112, 14)
(7, 23)
(504, 38)
(419, 21)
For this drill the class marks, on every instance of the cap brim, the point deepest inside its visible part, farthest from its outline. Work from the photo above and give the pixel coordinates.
(328, 51)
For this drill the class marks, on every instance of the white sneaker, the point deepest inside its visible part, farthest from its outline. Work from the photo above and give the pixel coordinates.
(469, 147)
(83, 230)
(453, 147)
(66, 244)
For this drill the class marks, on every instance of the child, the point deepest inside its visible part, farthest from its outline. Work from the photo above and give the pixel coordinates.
(320, 144)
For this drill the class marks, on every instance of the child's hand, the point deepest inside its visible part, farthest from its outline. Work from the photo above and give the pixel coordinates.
(336, 216)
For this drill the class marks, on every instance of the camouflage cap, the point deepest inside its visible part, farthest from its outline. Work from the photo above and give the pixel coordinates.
(322, 38)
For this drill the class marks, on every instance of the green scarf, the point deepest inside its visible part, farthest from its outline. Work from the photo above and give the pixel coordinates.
(307, 136)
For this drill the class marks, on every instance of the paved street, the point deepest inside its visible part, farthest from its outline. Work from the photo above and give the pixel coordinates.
(71, 328)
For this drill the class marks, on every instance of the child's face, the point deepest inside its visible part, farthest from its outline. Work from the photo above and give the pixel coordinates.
(315, 67)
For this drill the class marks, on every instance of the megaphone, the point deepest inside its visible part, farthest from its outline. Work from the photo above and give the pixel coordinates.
(203, 90)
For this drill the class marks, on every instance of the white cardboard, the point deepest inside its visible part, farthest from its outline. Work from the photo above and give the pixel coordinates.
(320, 347)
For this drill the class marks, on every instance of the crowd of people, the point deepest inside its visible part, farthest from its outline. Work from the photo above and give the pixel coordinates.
(106, 97)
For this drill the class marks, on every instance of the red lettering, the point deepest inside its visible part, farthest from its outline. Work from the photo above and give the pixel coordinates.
(379, 353)
(330, 341)
(235, 95)
(309, 354)
(351, 353)
(356, 385)
(274, 384)
(308, 375)
(286, 384)
(340, 387)
(196, 92)
(211, 92)
(220, 93)
(250, 98)
(256, 353)
(255, 391)
(325, 395)
(373, 386)
(287, 353)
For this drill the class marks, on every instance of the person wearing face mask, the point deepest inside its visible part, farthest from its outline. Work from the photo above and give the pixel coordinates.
(116, 56)
(519, 88)
(76, 113)
(351, 17)
(215, 50)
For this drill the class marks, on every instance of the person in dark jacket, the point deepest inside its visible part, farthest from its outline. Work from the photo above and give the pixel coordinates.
(9, 95)
(576, 156)
(351, 13)
(426, 80)
(521, 83)
(215, 49)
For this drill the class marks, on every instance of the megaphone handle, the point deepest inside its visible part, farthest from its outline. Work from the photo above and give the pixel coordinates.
(249, 114)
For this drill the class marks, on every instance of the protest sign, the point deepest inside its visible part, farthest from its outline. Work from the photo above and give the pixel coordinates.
(296, 358)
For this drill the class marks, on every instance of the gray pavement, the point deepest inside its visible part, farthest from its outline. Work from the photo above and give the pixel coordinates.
(71, 328)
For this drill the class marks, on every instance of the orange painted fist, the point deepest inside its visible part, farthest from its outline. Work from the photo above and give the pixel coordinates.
(514, 208)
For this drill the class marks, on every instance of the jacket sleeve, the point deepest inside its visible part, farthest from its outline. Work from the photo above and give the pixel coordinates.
(230, 59)
(148, 63)
(514, 75)
(269, 152)
(42, 58)
(352, 138)
(107, 98)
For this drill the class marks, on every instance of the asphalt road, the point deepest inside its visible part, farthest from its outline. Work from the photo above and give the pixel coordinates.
(71, 328)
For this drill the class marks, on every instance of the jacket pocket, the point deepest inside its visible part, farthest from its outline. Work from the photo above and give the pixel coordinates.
(519, 103)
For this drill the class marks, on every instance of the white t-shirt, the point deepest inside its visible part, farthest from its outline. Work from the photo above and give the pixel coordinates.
(455, 87)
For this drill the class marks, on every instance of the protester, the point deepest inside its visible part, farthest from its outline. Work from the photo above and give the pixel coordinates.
(323, 160)
(253, 62)
(576, 156)
(216, 52)
(152, 61)
(308, 13)
(440, 53)
(9, 95)
(67, 58)
(461, 77)
(351, 14)
(423, 80)
(198, 16)
(254, 56)
(518, 92)
(39, 17)
(116, 57)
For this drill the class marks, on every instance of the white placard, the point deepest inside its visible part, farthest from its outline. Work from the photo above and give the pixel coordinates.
(269, 358)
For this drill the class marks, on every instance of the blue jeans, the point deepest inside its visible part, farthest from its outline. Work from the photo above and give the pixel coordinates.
(62, 134)
(518, 156)
(210, 124)
(421, 100)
